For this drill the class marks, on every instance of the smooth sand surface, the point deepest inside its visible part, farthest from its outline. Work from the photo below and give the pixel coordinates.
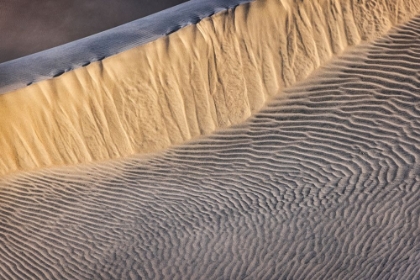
(323, 183)
(29, 26)
(201, 78)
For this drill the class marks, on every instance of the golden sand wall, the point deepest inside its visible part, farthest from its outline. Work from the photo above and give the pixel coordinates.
(203, 77)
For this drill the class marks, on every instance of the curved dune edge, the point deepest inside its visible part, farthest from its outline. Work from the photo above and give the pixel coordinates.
(198, 79)
(53, 62)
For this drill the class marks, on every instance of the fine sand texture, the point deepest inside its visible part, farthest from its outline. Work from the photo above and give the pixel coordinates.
(201, 78)
(322, 183)
(29, 26)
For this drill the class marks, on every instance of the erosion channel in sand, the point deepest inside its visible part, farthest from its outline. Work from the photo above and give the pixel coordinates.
(205, 76)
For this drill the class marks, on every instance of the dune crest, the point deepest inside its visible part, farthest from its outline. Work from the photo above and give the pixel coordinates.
(201, 78)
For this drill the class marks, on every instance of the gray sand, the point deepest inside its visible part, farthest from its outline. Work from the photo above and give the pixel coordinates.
(29, 26)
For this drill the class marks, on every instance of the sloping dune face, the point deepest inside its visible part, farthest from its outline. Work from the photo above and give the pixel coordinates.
(323, 183)
(203, 77)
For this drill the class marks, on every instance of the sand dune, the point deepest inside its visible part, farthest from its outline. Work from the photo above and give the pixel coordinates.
(323, 183)
(53, 62)
(203, 77)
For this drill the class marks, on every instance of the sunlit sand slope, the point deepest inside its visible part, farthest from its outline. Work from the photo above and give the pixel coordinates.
(323, 183)
(203, 77)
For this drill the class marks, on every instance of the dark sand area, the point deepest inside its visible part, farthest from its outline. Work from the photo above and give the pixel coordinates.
(29, 26)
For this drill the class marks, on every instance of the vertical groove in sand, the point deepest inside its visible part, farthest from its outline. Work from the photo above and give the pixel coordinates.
(323, 183)
(200, 78)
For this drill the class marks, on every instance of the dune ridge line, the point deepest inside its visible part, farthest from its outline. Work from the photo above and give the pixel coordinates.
(203, 77)
(54, 62)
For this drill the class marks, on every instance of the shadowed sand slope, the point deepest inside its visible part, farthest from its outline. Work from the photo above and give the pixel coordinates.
(29, 26)
(201, 78)
(323, 183)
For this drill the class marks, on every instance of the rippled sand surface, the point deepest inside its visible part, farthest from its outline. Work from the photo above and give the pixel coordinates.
(321, 182)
